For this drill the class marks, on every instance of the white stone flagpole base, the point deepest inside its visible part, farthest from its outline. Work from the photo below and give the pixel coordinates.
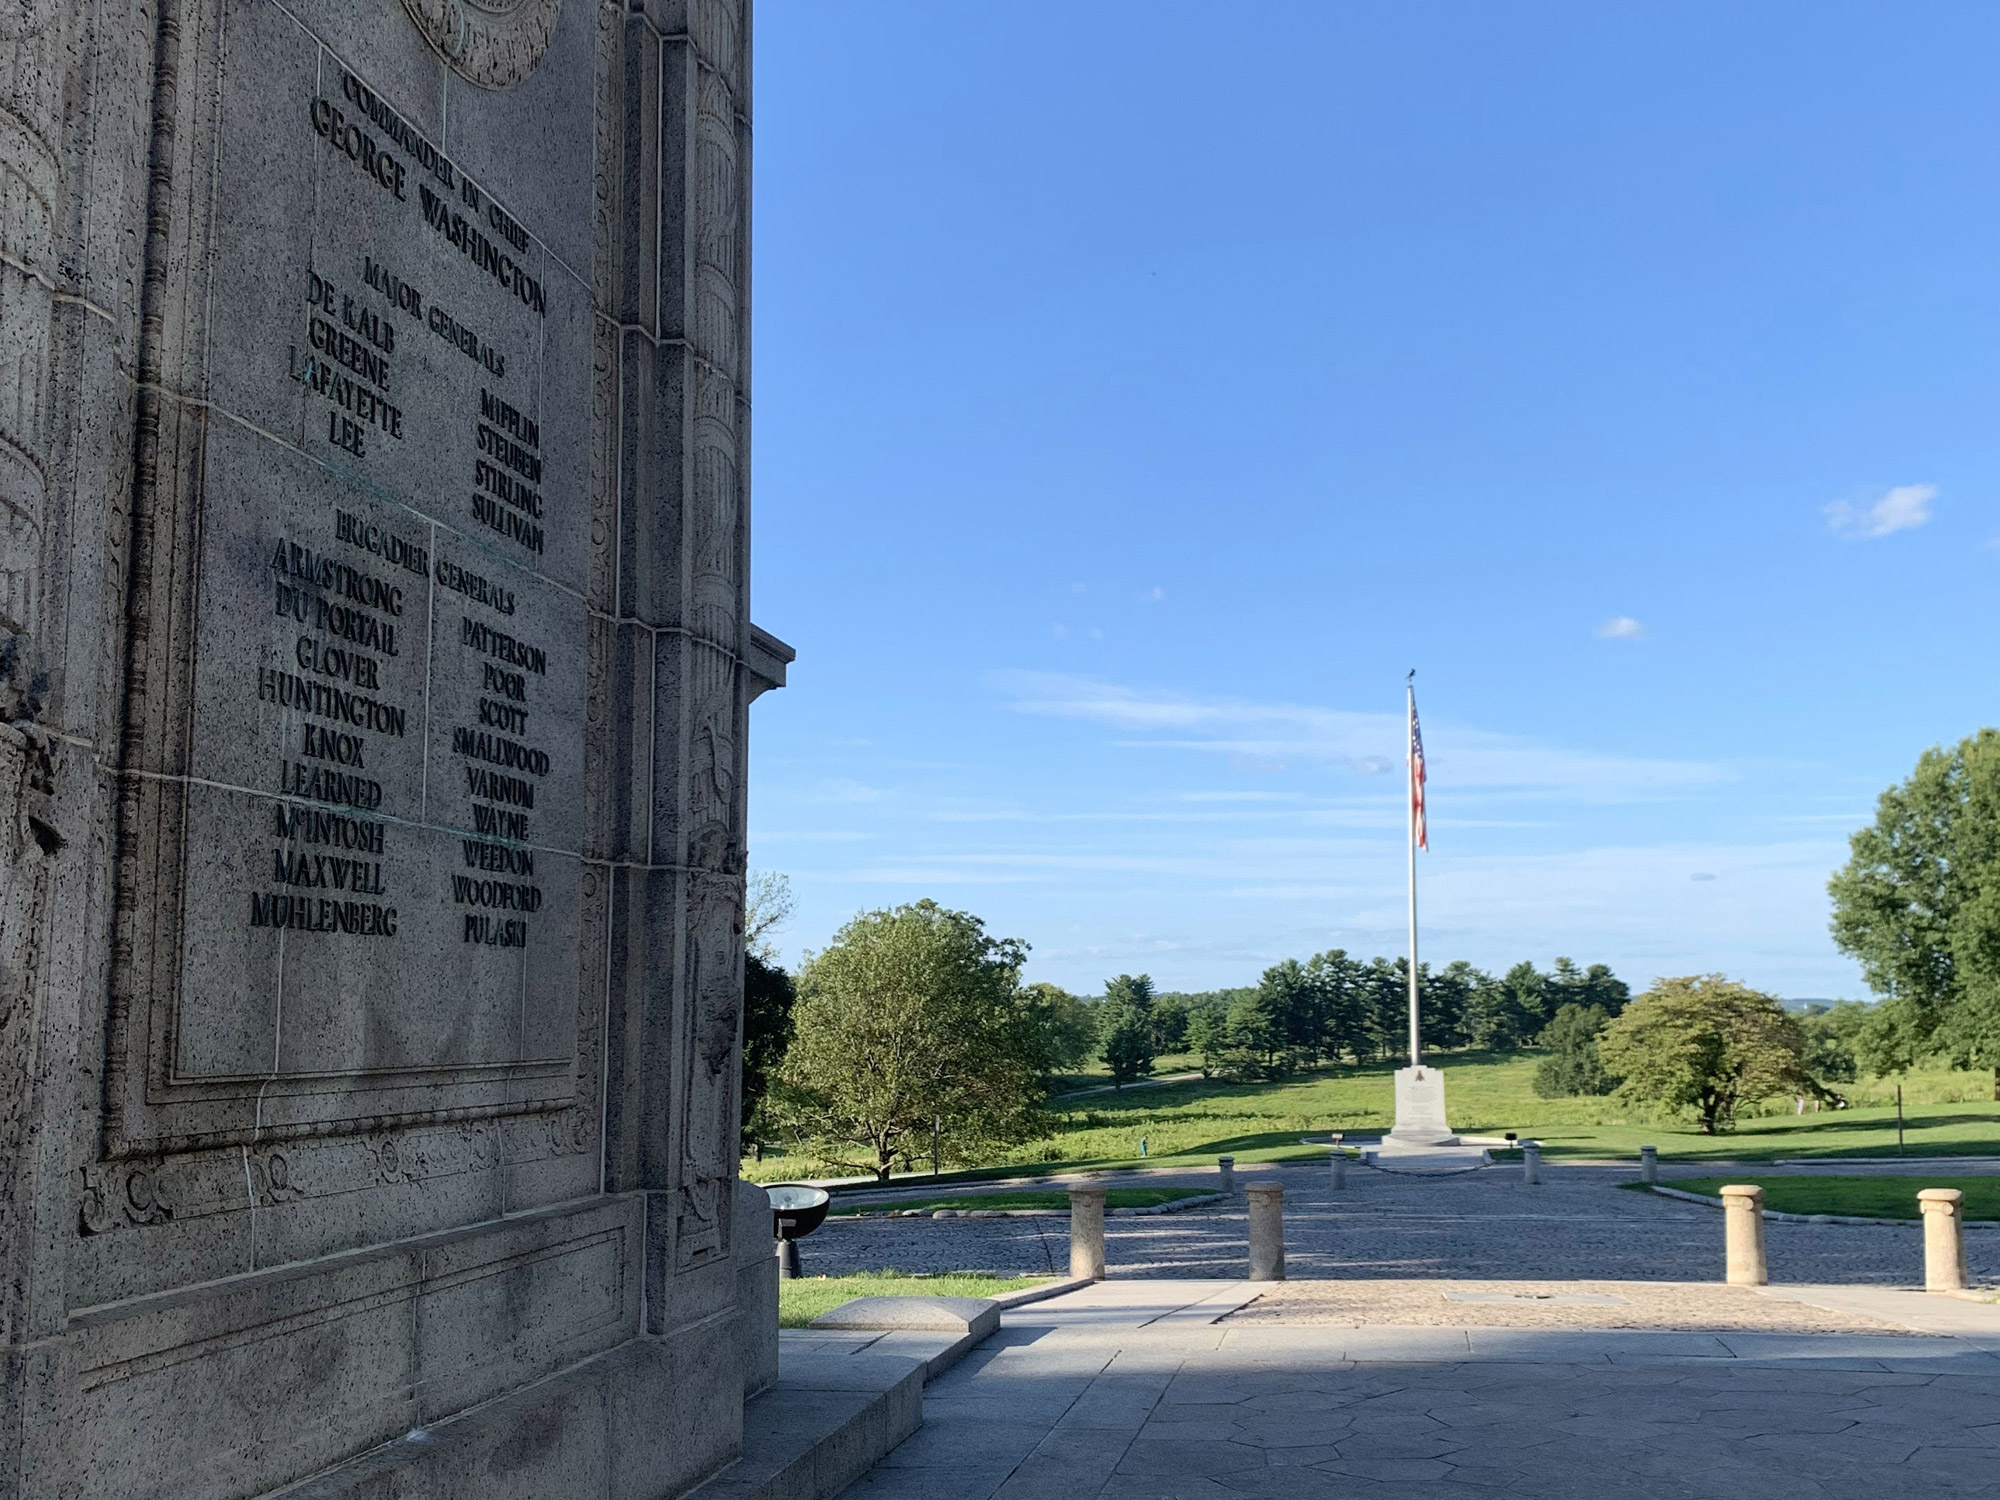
(1422, 1137)
(1420, 1116)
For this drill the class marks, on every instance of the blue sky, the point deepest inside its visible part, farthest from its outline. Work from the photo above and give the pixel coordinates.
(1142, 388)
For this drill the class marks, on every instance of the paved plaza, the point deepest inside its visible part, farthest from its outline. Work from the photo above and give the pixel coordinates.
(1458, 1337)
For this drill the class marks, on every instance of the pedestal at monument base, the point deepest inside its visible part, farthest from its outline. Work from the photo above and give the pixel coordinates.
(1420, 1115)
(1422, 1139)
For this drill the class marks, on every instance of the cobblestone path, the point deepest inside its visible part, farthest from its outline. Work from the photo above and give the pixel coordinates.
(1578, 1224)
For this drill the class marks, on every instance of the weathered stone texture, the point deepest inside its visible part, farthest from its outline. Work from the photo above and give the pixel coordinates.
(375, 661)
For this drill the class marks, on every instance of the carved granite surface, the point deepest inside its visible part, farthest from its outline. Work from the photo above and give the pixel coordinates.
(375, 662)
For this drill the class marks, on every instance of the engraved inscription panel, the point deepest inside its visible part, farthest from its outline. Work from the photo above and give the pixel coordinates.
(383, 877)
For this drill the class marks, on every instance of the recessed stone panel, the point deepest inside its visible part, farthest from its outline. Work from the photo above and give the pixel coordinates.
(390, 642)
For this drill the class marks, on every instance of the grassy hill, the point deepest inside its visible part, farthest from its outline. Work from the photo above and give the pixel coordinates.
(1188, 1123)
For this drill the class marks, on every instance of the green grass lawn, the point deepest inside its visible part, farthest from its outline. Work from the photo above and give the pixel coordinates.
(800, 1301)
(1051, 1198)
(1865, 1197)
(1188, 1124)
(1097, 1075)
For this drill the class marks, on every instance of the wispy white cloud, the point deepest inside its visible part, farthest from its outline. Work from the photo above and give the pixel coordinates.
(1153, 595)
(1897, 509)
(1620, 628)
(1267, 734)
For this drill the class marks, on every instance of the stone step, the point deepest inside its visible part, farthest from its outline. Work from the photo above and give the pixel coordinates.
(845, 1397)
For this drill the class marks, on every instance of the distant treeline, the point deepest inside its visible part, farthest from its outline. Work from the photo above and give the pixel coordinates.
(1332, 1007)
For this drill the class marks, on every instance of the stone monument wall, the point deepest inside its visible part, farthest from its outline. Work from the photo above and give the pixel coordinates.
(375, 658)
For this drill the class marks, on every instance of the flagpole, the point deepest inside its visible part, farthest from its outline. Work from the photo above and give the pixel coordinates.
(1410, 812)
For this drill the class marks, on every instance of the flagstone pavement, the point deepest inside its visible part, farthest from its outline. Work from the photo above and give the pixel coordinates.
(1154, 1390)
(1383, 1372)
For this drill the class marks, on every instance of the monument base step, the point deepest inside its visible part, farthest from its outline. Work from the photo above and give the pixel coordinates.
(841, 1402)
(1407, 1156)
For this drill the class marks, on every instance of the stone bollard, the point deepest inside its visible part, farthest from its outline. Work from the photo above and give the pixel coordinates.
(1649, 1164)
(1225, 1168)
(1267, 1231)
(1743, 1235)
(1086, 1233)
(1531, 1163)
(1944, 1239)
(1339, 1169)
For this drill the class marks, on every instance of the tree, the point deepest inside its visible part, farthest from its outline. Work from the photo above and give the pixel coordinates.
(1170, 1023)
(1602, 987)
(768, 999)
(1208, 1032)
(1918, 905)
(1446, 998)
(1569, 985)
(1125, 1027)
(767, 907)
(1385, 1007)
(1288, 1009)
(1342, 986)
(1510, 1011)
(911, 1022)
(1708, 1044)
(1834, 1046)
(1068, 1025)
(1258, 1030)
(1574, 1065)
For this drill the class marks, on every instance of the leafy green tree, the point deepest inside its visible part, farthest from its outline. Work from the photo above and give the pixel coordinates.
(1068, 1025)
(1918, 906)
(1573, 1065)
(1834, 1040)
(1125, 1027)
(1708, 1044)
(768, 998)
(909, 1022)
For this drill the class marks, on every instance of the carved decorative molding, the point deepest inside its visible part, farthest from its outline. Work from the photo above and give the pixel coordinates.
(493, 43)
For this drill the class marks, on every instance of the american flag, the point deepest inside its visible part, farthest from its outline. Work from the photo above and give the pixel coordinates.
(1417, 778)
